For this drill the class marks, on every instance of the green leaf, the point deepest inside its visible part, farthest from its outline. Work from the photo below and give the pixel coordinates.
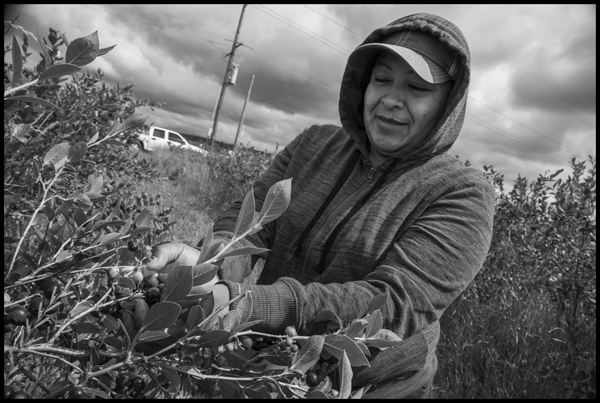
(44, 50)
(103, 224)
(230, 389)
(126, 282)
(139, 230)
(276, 202)
(79, 308)
(94, 138)
(31, 34)
(230, 320)
(84, 50)
(86, 328)
(382, 343)
(79, 216)
(239, 357)
(161, 315)
(360, 392)
(171, 375)
(244, 326)
(83, 200)
(109, 238)
(57, 155)
(195, 316)
(335, 344)
(96, 392)
(150, 335)
(345, 372)
(259, 391)
(214, 338)
(95, 183)
(178, 284)
(355, 328)
(244, 308)
(206, 245)
(115, 342)
(104, 51)
(376, 303)
(20, 133)
(246, 216)
(375, 323)
(207, 303)
(316, 394)
(245, 250)
(33, 100)
(59, 70)
(17, 60)
(129, 123)
(144, 217)
(110, 322)
(203, 273)
(308, 355)
(77, 152)
(328, 316)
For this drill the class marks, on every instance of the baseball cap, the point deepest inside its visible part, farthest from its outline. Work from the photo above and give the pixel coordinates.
(432, 60)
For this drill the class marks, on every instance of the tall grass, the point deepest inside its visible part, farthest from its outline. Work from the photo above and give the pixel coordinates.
(518, 349)
(204, 186)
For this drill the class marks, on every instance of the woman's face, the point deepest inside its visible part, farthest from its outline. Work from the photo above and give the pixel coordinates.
(400, 107)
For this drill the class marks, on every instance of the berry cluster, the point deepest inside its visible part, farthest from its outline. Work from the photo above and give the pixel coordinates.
(128, 387)
(17, 315)
(10, 392)
(259, 343)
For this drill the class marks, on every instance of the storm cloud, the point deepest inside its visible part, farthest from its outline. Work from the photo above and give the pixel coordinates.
(532, 96)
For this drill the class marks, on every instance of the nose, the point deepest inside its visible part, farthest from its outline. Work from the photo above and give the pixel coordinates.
(393, 99)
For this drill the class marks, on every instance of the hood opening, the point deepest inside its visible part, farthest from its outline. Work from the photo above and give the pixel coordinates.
(356, 80)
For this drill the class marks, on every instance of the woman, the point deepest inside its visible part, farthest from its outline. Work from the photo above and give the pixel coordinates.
(377, 206)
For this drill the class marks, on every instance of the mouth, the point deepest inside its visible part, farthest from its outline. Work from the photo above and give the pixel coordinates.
(390, 121)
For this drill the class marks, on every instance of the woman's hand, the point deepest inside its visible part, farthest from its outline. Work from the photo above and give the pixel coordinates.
(170, 254)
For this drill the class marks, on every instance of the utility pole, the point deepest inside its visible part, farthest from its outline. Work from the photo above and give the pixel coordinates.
(237, 134)
(224, 85)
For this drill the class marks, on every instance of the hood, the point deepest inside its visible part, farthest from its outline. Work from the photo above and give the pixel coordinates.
(355, 81)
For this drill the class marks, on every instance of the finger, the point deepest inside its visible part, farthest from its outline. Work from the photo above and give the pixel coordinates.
(164, 254)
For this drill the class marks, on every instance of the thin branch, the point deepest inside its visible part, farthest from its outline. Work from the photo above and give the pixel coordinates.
(27, 350)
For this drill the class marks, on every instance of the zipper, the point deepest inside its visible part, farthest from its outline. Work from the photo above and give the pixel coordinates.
(371, 173)
(310, 248)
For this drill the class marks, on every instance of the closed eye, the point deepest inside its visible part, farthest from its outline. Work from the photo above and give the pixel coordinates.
(417, 88)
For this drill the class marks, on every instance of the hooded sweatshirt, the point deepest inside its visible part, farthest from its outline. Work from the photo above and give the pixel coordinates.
(417, 228)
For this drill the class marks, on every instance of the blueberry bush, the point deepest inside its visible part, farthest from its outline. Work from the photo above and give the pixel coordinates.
(83, 316)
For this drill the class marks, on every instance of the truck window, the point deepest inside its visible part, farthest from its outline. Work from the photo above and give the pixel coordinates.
(176, 138)
(159, 133)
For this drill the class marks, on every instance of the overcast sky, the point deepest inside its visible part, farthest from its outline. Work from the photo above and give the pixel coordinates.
(532, 99)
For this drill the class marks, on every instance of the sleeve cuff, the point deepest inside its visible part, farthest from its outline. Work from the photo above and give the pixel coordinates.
(235, 289)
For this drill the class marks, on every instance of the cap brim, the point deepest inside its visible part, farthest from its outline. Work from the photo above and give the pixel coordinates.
(426, 69)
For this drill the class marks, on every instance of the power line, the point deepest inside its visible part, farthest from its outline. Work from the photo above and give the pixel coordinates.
(173, 24)
(520, 124)
(522, 142)
(345, 52)
(335, 22)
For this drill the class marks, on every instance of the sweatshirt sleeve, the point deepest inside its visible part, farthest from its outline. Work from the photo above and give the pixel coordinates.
(422, 273)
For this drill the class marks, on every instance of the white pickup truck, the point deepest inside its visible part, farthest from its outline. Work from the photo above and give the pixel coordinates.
(157, 137)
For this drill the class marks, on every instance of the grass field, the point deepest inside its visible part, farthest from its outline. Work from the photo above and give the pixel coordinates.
(509, 348)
